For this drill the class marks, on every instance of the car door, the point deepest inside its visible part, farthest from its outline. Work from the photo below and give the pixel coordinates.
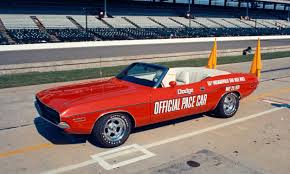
(172, 102)
(181, 100)
(160, 107)
(204, 96)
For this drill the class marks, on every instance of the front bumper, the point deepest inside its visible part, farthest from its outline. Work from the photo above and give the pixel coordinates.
(62, 125)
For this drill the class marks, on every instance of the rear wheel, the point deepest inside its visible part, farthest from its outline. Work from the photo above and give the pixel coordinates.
(112, 130)
(227, 106)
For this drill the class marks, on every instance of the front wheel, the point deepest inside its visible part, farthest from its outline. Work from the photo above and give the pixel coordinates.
(227, 106)
(112, 130)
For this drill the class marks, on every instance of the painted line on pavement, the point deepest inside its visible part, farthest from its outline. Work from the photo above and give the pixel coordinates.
(280, 98)
(71, 167)
(101, 157)
(277, 103)
(272, 101)
(211, 128)
(25, 149)
(162, 142)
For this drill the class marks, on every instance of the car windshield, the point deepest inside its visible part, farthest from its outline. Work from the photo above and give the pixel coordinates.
(144, 74)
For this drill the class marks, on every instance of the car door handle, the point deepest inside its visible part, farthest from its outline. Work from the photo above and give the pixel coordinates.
(202, 88)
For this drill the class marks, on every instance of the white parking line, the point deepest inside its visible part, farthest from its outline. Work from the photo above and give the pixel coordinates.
(101, 157)
(210, 128)
(120, 151)
(271, 101)
(70, 167)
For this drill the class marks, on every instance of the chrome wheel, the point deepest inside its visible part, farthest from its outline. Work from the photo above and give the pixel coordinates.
(115, 128)
(229, 104)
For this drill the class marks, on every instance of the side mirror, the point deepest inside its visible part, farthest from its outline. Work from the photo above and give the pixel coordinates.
(172, 83)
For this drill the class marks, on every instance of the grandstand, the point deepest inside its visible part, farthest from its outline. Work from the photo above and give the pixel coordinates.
(3, 40)
(35, 22)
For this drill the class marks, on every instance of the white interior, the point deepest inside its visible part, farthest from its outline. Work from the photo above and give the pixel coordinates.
(186, 75)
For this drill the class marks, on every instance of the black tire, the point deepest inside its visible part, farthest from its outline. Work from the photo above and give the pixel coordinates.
(101, 132)
(221, 109)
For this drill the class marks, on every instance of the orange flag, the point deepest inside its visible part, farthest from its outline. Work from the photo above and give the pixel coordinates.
(257, 61)
(212, 59)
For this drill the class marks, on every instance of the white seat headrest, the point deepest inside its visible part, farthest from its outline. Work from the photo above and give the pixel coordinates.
(183, 77)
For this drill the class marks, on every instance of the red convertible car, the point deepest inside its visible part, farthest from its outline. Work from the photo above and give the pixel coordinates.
(142, 94)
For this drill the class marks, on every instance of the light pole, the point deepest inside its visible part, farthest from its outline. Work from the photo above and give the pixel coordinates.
(105, 8)
(86, 21)
(189, 14)
(247, 10)
(86, 18)
(288, 14)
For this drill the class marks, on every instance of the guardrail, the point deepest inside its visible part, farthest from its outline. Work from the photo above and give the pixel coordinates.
(132, 42)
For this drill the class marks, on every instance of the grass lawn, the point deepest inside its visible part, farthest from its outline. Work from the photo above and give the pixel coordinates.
(35, 78)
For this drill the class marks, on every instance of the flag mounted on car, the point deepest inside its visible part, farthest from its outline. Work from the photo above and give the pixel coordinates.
(257, 61)
(212, 60)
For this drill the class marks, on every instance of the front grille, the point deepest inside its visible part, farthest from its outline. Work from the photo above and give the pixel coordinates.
(47, 112)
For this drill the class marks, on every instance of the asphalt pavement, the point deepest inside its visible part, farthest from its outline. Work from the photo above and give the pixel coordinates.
(256, 140)
(34, 56)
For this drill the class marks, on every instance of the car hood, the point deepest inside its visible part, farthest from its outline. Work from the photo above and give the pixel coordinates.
(61, 98)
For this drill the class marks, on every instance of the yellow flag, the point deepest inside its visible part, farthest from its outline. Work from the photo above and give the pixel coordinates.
(257, 61)
(212, 59)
